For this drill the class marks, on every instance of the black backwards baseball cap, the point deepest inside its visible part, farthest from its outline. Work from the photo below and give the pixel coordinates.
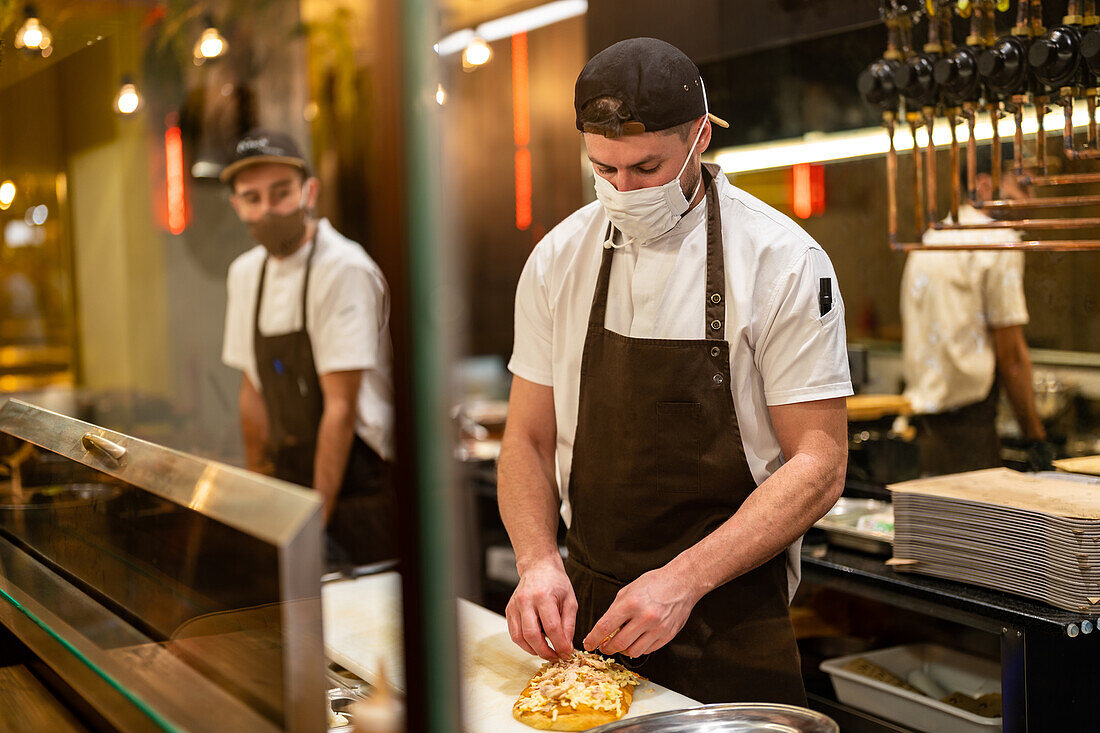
(264, 146)
(659, 86)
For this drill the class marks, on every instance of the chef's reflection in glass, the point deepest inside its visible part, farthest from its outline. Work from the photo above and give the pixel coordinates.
(677, 365)
(963, 316)
(307, 324)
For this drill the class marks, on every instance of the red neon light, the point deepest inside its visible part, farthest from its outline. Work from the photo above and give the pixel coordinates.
(807, 190)
(521, 99)
(521, 130)
(523, 189)
(173, 160)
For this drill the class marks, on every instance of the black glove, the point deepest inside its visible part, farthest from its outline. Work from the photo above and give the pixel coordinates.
(1040, 455)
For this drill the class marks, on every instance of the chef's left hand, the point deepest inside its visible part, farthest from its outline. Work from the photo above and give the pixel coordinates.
(648, 613)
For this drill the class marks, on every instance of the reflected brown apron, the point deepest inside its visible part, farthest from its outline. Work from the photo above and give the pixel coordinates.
(360, 530)
(658, 464)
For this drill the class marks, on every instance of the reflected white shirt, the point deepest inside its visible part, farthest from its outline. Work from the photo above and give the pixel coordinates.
(349, 317)
(949, 303)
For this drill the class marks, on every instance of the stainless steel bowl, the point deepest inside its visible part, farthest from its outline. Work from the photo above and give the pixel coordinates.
(741, 717)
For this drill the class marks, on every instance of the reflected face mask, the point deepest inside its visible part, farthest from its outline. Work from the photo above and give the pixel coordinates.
(281, 234)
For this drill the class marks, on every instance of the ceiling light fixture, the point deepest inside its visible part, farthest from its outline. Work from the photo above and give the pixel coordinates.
(7, 194)
(211, 43)
(476, 54)
(509, 25)
(32, 35)
(128, 100)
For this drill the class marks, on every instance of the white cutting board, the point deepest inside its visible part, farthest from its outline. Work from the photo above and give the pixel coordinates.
(362, 623)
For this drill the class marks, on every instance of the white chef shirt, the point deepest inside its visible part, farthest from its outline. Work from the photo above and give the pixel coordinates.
(781, 350)
(349, 316)
(949, 303)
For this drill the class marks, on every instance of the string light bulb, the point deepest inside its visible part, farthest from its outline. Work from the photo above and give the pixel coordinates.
(128, 100)
(211, 43)
(7, 194)
(476, 54)
(440, 95)
(32, 35)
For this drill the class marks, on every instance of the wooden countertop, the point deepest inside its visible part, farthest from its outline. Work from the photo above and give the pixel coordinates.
(25, 704)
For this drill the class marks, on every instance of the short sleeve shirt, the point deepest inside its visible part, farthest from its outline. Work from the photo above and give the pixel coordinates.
(782, 351)
(348, 313)
(950, 301)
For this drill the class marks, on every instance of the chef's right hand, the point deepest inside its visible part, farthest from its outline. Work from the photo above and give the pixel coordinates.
(542, 606)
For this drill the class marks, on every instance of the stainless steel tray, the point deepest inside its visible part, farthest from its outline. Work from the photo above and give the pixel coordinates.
(728, 718)
(840, 526)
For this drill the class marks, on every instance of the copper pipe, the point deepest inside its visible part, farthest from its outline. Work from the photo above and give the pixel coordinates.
(1023, 19)
(1041, 135)
(891, 179)
(1018, 143)
(1086, 154)
(971, 113)
(954, 167)
(918, 178)
(1050, 245)
(1055, 224)
(1049, 202)
(974, 37)
(930, 166)
(1090, 100)
(995, 118)
(1036, 18)
(1068, 145)
(989, 29)
(1061, 180)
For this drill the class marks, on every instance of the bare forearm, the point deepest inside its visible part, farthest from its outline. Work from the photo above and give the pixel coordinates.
(529, 503)
(777, 513)
(334, 438)
(1016, 375)
(254, 430)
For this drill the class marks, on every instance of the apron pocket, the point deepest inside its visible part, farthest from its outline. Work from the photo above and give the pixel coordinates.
(678, 441)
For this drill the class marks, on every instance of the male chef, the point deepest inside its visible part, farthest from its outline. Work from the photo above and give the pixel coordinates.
(680, 366)
(962, 317)
(307, 324)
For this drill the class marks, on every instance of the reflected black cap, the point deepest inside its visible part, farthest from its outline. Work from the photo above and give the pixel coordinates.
(264, 146)
(659, 86)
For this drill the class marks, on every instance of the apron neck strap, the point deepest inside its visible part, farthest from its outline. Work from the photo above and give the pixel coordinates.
(715, 327)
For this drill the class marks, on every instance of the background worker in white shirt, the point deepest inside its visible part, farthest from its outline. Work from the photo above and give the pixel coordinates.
(307, 324)
(963, 315)
(680, 363)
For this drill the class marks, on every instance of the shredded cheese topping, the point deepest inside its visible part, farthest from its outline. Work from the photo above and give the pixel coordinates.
(582, 679)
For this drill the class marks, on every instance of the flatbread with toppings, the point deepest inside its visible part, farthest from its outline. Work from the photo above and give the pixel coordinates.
(577, 693)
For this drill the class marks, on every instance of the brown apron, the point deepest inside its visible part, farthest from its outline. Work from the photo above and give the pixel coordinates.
(360, 530)
(658, 464)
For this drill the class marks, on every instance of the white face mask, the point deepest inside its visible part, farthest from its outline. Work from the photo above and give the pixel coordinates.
(646, 213)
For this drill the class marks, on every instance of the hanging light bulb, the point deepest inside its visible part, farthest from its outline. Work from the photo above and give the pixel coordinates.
(7, 194)
(211, 43)
(128, 100)
(440, 95)
(476, 54)
(32, 35)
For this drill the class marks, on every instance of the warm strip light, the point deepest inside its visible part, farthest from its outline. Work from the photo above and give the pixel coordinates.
(523, 189)
(521, 97)
(801, 202)
(510, 25)
(173, 155)
(873, 141)
(521, 129)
